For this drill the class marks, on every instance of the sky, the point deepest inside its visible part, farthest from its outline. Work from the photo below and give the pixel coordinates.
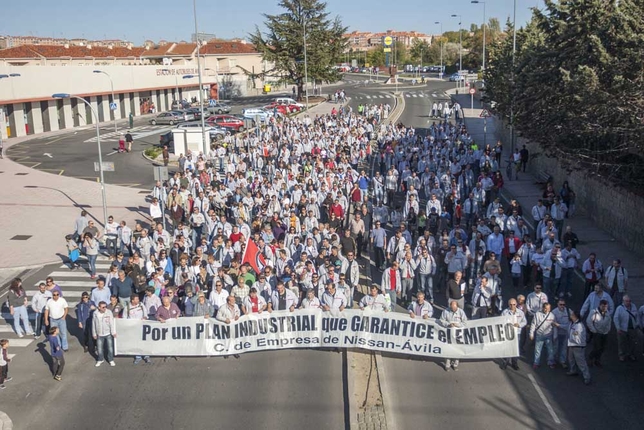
(173, 20)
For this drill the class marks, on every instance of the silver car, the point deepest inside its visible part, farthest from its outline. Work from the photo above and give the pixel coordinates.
(216, 133)
(167, 118)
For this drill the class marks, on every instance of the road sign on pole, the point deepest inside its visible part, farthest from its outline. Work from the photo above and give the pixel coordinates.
(212, 103)
(108, 166)
(160, 173)
(472, 90)
(112, 106)
(485, 114)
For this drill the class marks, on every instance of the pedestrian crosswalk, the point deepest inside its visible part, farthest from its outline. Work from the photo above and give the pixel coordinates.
(438, 95)
(136, 132)
(72, 283)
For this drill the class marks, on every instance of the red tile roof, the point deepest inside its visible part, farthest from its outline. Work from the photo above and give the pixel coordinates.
(37, 51)
(220, 47)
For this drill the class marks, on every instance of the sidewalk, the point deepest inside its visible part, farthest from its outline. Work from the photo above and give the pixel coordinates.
(526, 191)
(40, 208)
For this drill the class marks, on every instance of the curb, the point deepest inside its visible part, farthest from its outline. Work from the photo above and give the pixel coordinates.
(385, 392)
(5, 422)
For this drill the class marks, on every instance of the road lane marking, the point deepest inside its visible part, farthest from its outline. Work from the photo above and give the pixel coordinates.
(544, 400)
(111, 153)
(55, 140)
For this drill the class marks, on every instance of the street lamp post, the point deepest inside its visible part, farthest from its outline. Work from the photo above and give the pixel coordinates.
(460, 42)
(484, 25)
(98, 143)
(116, 129)
(203, 124)
(440, 74)
(514, 50)
(306, 73)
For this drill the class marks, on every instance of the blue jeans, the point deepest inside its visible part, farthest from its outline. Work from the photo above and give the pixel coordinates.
(39, 324)
(562, 348)
(427, 285)
(549, 287)
(91, 259)
(62, 330)
(101, 341)
(20, 313)
(392, 296)
(540, 341)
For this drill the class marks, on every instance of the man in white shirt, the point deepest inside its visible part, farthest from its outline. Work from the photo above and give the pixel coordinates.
(38, 302)
(518, 319)
(420, 308)
(453, 317)
(374, 300)
(333, 299)
(56, 311)
(218, 296)
(570, 257)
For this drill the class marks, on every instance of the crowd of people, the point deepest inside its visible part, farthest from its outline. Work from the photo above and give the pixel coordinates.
(302, 193)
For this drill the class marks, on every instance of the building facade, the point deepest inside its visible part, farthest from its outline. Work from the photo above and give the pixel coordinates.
(364, 40)
(117, 81)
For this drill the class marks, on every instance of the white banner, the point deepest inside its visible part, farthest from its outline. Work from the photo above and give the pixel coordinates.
(387, 332)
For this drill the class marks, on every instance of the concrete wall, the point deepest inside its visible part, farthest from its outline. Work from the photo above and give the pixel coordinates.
(614, 209)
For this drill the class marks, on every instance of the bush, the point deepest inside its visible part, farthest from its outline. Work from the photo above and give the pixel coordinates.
(153, 152)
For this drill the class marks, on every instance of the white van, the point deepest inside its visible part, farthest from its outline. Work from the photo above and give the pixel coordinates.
(287, 101)
(253, 113)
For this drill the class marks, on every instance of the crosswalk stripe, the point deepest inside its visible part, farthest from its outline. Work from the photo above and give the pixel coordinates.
(407, 95)
(68, 294)
(414, 95)
(77, 274)
(434, 95)
(21, 342)
(5, 328)
(368, 96)
(421, 95)
(90, 283)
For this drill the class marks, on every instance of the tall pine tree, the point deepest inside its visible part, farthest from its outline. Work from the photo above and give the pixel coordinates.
(283, 43)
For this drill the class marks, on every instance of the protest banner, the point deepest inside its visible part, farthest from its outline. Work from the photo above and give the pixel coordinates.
(386, 332)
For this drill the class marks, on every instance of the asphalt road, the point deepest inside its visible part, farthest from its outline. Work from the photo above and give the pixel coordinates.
(290, 389)
(481, 395)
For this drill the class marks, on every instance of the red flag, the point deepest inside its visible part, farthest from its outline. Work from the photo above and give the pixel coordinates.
(253, 257)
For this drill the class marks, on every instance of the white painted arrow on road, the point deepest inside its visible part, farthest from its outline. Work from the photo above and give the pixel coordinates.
(47, 154)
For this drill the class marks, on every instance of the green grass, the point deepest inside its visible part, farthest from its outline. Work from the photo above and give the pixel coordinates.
(153, 152)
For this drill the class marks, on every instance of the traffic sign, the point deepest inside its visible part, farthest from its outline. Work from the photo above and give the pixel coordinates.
(160, 173)
(212, 103)
(472, 90)
(387, 50)
(485, 114)
(108, 166)
(388, 40)
(112, 106)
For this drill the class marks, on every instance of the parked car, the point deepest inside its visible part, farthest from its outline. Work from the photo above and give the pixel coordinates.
(216, 133)
(167, 139)
(456, 77)
(258, 113)
(187, 115)
(281, 109)
(218, 108)
(168, 118)
(196, 112)
(227, 121)
(289, 102)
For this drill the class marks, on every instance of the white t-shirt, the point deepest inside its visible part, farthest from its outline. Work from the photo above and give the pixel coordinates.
(56, 308)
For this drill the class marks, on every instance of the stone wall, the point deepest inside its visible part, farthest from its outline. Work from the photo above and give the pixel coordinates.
(619, 212)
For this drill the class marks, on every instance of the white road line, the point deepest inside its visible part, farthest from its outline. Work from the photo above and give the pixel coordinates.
(111, 153)
(414, 95)
(368, 97)
(421, 95)
(434, 95)
(90, 283)
(544, 400)
(99, 266)
(69, 274)
(68, 294)
(4, 328)
(21, 343)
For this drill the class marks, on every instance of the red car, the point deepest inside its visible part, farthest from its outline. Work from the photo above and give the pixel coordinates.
(228, 121)
(281, 109)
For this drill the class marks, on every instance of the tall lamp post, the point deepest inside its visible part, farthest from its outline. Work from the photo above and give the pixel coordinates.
(514, 51)
(306, 73)
(484, 25)
(460, 42)
(440, 74)
(116, 129)
(98, 143)
(203, 124)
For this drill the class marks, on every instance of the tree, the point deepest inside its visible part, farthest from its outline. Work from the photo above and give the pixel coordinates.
(376, 56)
(419, 51)
(578, 86)
(283, 43)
